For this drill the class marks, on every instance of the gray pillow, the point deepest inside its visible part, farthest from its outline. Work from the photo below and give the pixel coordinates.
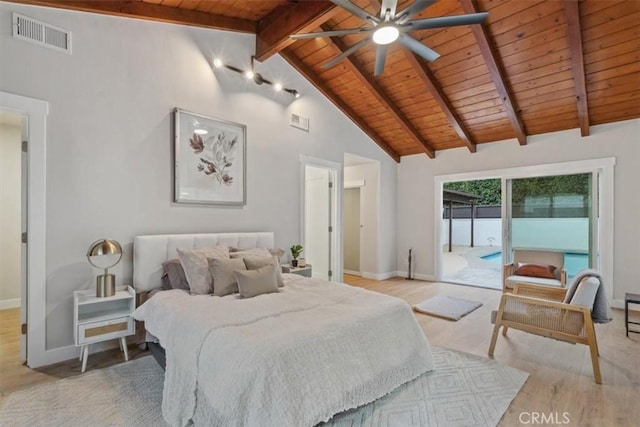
(196, 267)
(257, 282)
(222, 270)
(253, 252)
(174, 275)
(254, 263)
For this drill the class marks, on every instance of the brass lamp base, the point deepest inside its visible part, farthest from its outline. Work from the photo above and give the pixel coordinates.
(105, 285)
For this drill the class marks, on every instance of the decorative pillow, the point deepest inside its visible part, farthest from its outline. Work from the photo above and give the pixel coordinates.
(254, 263)
(224, 279)
(174, 275)
(257, 282)
(535, 270)
(254, 252)
(196, 267)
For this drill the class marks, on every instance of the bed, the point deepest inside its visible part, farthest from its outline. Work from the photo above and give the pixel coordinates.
(292, 358)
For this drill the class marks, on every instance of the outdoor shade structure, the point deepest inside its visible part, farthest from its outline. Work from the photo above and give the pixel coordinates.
(451, 197)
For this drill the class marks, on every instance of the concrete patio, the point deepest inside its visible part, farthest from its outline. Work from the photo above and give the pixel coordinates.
(464, 265)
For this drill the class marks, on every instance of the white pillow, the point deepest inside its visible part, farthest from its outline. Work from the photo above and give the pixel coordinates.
(254, 252)
(196, 267)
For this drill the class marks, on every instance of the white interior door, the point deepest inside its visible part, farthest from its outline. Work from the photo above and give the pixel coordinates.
(352, 225)
(317, 235)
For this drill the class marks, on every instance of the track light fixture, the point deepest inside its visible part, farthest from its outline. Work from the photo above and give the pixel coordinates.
(256, 77)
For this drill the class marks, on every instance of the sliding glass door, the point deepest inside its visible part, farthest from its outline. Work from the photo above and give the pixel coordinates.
(558, 213)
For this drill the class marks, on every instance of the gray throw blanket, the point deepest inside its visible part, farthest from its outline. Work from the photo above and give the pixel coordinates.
(600, 312)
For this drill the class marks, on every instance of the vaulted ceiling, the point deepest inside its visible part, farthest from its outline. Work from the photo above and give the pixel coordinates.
(534, 66)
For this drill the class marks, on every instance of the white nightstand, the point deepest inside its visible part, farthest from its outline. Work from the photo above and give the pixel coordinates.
(302, 271)
(100, 319)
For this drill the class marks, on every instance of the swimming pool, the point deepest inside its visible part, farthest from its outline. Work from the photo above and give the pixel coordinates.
(573, 262)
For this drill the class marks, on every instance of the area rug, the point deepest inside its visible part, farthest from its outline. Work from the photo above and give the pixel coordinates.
(447, 307)
(463, 390)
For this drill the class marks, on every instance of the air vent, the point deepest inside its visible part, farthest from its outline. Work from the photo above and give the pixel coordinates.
(40, 33)
(299, 122)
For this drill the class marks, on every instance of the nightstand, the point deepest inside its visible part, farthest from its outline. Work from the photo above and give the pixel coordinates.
(101, 319)
(302, 271)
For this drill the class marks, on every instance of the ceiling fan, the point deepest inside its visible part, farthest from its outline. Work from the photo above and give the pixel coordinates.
(390, 26)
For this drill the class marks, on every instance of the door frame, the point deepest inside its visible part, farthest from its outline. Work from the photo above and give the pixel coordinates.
(359, 184)
(604, 167)
(36, 306)
(335, 169)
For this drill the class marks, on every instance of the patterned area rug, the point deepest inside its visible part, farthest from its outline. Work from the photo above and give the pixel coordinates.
(464, 390)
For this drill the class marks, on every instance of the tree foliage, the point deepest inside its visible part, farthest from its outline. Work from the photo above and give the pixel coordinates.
(551, 186)
(489, 189)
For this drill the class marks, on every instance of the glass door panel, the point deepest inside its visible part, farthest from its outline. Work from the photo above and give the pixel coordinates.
(554, 213)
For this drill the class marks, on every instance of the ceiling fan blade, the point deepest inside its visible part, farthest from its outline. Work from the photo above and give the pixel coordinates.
(415, 8)
(355, 10)
(331, 33)
(389, 5)
(347, 52)
(419, 48)
(448, 21)
(381, 58)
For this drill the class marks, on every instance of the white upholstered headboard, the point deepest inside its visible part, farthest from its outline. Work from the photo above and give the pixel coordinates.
(149, 252)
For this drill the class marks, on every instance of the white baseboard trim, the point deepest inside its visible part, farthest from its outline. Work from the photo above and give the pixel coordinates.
(62, 354)
(10, 303)
(378, 276)
(417, 276)
(619, 303)
(353, 273)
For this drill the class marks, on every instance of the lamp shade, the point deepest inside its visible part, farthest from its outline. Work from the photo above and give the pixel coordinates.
(104, 247)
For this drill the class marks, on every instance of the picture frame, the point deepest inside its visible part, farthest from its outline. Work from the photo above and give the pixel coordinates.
(210, 160)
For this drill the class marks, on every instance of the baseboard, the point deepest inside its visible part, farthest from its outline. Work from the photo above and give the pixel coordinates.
(417, 276)
(69, 352)
(619, 303)
(352, 273)
(379, 276)
(9, 303)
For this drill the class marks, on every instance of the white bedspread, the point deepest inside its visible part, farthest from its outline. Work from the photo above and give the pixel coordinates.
(293, 358)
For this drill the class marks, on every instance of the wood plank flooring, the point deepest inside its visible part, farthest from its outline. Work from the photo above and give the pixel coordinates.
(561, 379)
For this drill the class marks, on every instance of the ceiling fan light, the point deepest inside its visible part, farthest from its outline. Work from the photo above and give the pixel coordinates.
(217, 62)
(385, 34)
(249, 74)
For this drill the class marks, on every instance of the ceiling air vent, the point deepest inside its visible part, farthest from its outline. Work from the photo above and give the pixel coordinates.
(299, 122)
(38, 32)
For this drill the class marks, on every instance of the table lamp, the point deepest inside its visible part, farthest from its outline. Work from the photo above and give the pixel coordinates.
(105, 283)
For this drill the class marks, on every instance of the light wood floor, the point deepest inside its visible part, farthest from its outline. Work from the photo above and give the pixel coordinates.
(561, 379)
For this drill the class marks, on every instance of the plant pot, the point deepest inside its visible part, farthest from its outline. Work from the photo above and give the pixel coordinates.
(294, 263)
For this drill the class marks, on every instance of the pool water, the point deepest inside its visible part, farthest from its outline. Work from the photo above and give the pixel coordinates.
(573, 262)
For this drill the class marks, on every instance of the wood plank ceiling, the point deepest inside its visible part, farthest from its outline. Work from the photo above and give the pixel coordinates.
(535, 66)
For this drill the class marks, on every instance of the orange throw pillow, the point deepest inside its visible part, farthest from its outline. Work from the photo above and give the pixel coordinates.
(535, 270)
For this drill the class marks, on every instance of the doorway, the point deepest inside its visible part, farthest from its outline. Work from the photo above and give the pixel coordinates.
(13, 252)
(352, 228)
(320, 224)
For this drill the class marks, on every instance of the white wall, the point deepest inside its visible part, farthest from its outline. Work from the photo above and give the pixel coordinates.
(109, 143)
(376, 219)
(483, 228)
(620, 140)
(10, 219)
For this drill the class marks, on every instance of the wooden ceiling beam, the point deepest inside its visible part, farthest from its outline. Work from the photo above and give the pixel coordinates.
(274, 30)
(572, 14)
(150, 12)
(308, 74)
(497, 72)
(439, 96)
(379, 93)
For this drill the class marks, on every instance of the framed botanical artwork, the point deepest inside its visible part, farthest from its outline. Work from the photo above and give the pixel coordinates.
(210, 160)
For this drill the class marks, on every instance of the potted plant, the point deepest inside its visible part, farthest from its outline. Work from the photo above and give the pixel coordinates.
(296, 250)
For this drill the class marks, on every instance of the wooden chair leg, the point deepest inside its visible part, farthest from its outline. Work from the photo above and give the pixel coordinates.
(593, 348)
(504, 331)
(494, 339)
